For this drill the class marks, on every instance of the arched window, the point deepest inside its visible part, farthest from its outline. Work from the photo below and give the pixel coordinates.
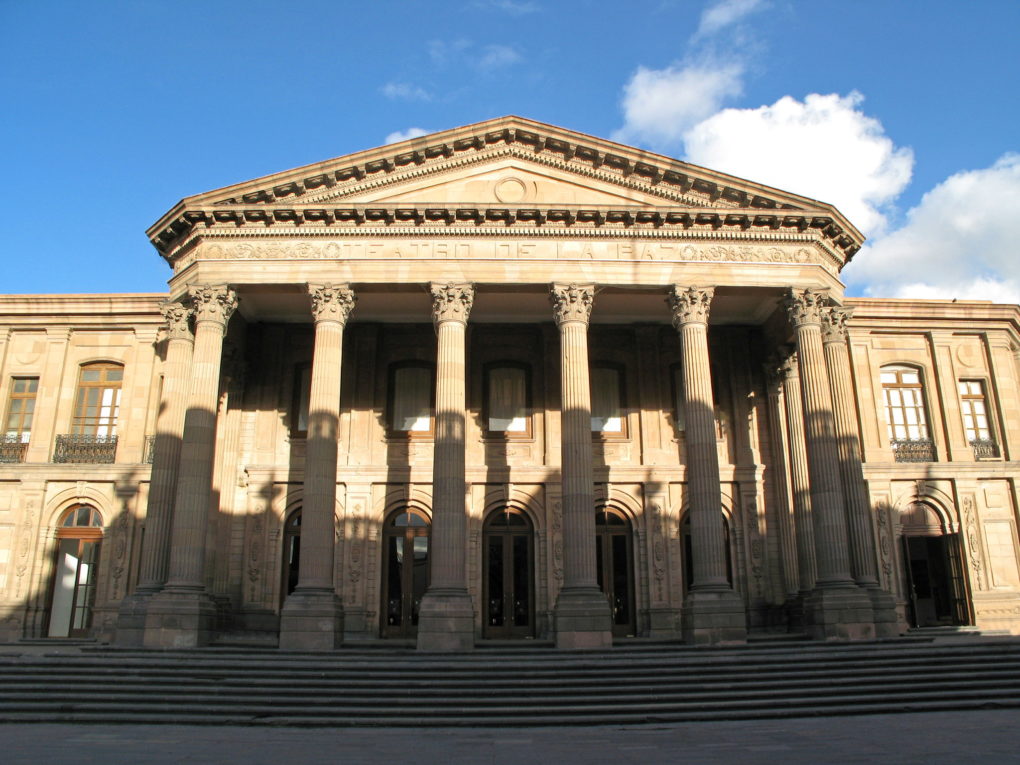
(412, 398)
(79, 537)
(507, 400)
(906, 414)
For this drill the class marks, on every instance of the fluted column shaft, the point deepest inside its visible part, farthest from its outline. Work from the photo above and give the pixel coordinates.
(837, 360)
(690, 317)
(167, 452)
(451, 308)
(827, 506)
(800, 481)
(572, 311)
(213, 308)
(780, 469)
(331, 307)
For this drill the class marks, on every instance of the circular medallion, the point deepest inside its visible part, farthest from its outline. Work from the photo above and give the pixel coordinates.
(510, 190)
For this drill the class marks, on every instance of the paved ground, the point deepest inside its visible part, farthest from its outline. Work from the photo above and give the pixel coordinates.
(931, 738)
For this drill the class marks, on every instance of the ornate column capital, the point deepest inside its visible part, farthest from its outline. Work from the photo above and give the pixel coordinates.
(834, 323)
(177, 317)
(789, 366)
(690, 305)
(332, 303)
(805, 307)
(213, 303)
(571, 302)
(452, 302)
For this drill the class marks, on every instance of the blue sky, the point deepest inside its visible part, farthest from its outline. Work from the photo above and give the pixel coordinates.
(904, 114)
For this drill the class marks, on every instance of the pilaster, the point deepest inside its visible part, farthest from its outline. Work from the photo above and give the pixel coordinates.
(582, 614)
(713, 612)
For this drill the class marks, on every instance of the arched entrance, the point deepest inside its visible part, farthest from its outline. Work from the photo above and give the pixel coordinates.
(79, 538)
(509, 586)
(688, 548)
(291, 554)
(933, 572)
(615, 565)
(405, 571)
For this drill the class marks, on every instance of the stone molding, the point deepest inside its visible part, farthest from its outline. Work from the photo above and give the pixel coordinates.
(805, 307)
(690, 304)
(835, 321)
(451, 302)
(213, 303)
(178, 320)
(332, 303)
(571, 302)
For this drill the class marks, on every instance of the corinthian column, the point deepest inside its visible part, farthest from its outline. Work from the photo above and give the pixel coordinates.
(837, 608)
(312, 617)
(779, 468)
(863, 563)
(163, 478)
(713, 612)
(804, 523)
(446, 617)
(582, 615)
(182, 614)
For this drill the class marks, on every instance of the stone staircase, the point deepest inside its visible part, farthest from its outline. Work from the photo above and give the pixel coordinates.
(505, 686)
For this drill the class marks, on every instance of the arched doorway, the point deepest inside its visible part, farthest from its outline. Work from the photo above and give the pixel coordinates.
(509, 587)
(688, 548)
(615, 566)
(79, 538)
(932, 569)
(291, 554)
(405, 571)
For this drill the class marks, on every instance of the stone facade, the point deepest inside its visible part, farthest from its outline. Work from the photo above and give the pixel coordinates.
(505, 381)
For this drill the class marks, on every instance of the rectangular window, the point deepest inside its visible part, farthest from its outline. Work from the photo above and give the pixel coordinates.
(411, 400)
(300, 404)
(607, 401)
(679, 406)
(20, 409)
(506, 400)
(976, 425)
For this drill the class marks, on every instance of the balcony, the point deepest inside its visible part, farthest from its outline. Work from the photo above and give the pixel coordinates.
(93, 450)
(913, 450)
(985, 449)
(12, 448)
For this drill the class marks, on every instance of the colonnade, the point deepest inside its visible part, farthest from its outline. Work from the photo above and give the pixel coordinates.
(835, 556)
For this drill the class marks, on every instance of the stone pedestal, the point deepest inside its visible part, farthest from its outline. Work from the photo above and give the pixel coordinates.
(446, 616)
(582, 617)
(131, 617)
(183, 614)
(312, 617)
(713, 612)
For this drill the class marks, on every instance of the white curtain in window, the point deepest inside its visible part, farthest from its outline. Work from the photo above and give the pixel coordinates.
(605, 400)
(507, 400)
(412, 400)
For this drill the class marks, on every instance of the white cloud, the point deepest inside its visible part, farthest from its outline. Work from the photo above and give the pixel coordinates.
(496, 56)
(403, 135)
(959, 241)
(405, 91)
(660, 105)
(513, 7)
(443, 51)
(823, 147)
(724, 13)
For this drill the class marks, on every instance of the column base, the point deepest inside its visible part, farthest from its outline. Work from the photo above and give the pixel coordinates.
(883, 608)
(131, 616)
(582, 620)
(311, 620)
(714, 617)
(839, 613)
(179, 619)
(664, 623)
(446, 621)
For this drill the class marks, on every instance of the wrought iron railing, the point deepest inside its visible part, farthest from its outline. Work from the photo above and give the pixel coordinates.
(96, 450)
(913, 449)
(12, 448)
(984, 449)
(150, 448)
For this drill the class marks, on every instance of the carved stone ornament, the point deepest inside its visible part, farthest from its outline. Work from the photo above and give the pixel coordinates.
(177, 316)
(213, 303)
(690, 304)
(789, 366)
(452, 302)
(572, 302)
(331, 303)
(834, 323)
(805, 307)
